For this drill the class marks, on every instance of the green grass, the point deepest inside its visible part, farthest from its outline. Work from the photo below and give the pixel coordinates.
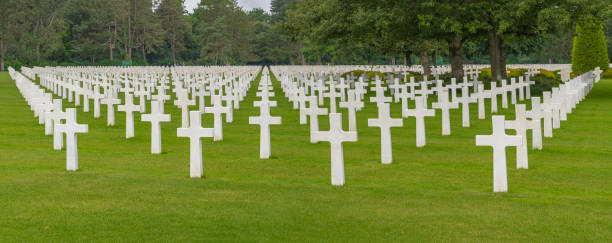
(442, 192)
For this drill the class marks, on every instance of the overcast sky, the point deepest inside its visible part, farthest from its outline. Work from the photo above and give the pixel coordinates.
(246, 4)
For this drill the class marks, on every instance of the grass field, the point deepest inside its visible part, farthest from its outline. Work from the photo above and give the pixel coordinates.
(442, 192)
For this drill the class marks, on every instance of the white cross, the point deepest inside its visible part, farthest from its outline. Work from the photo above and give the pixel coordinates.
(110, 103)
(465, 101)
(512, 88)
(494, 92)
(548, 109)
(217, 109)
(385, 122)
(444, 105)
(264, 120)
(129, 108)
(395, 87)
(380, 97)
(536, 114)
(521, 125)
(332, 95)
(71, 128)
(96, 96)
(314, 112)
(352, 104)
(419, 112)
(439, 87)
(423, 91)
(504, 92)
(57, 115)
(155, 118)
(453, 88)
(404, 95)
(161, 98)
(184, 102)
(195, 133)
(229, 99)
(141, 93)
(499, 141)
(336, 136)
(480, 96)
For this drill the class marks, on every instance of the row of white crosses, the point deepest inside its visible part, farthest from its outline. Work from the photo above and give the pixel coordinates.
(296, 87)
(558, 104)
(193, 128)
(264, 120)
(151, 84)
(320, 90)
(563, 100)
(51, 114)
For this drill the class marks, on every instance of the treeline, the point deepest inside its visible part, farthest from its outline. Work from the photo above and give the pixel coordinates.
(158, 32)
(219, 32)
(500, 30)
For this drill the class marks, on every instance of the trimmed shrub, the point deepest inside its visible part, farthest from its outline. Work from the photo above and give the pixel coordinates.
(543, 83)
(589, 47)
(607, 73)
(369, 74)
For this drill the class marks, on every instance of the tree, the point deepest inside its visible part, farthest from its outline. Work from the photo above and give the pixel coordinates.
(590, 48)
(9, 29)
(171, 13)
(223, 30)
(46, 19)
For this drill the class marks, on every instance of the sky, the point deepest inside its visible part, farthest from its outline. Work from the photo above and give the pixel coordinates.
(246, 4)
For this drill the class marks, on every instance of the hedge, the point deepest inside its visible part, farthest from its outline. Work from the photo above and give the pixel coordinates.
(589, 47)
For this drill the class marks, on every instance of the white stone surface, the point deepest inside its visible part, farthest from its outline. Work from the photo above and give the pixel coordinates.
(217, 110)
(521, 125)
(313, 111)
(536, 114)
(499, 141)
(445, 105)
(71, 128)
(385, 122)
(155, 118)
(419, 112)
(465, 101)
(264, 120)
(336, 136)
(195, 133)
(129, 108)
(110, 103)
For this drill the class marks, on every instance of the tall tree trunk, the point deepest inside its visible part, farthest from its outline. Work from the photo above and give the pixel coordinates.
(407, 59)
(302, 58)
(392, 60)
(434, 58)
(425, 63)
(144, 54)
(2, 52)
(37, 53)
(454, 49)
(174, 52)
(502, 58)
(497, 58)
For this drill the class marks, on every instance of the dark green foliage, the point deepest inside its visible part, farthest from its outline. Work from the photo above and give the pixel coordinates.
(590, 48)
(14, 63)
(607, 73)
(543, 83)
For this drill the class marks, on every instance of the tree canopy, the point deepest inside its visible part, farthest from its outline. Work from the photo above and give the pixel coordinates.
(220, 32)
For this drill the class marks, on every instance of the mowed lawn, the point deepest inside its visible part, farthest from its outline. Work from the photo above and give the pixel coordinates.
(442, 192)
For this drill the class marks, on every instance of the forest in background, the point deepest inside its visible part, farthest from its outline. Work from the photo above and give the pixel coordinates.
(219, 32)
